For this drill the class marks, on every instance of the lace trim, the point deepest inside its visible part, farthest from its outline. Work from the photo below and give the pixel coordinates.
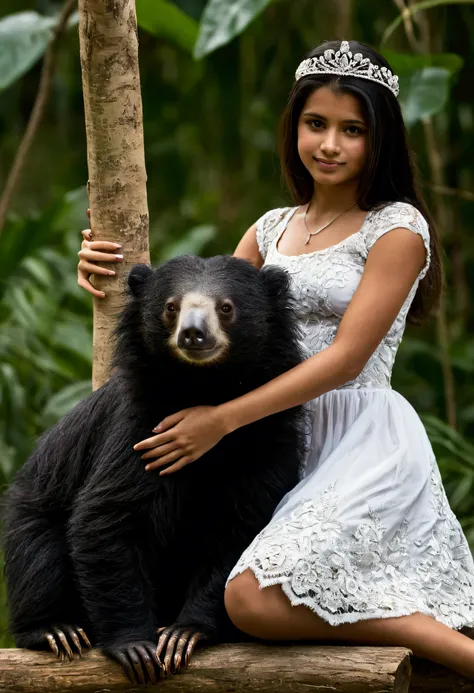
(267, 228)
(395, 215)
(347, 574)
(324, 281)
(376, 224)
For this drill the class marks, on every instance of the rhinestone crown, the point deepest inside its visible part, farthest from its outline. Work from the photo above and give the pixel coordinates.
(341, 62)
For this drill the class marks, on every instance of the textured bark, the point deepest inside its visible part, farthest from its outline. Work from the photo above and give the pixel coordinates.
(248, 668)
(115, 153)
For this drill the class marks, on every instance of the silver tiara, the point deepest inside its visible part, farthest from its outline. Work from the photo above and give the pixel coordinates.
(341, 62)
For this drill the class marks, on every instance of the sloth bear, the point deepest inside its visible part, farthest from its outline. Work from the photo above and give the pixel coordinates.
(99, 552)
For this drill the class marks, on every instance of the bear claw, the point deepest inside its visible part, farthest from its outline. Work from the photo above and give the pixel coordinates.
(60, 645)
(139, 661)
(178, 644)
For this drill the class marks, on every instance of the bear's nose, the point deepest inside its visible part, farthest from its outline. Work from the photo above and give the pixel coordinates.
(194, 333)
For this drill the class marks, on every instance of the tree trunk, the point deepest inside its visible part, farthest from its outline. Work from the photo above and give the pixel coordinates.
(115, 154)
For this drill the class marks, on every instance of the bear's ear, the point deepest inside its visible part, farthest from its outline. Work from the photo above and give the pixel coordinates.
(138, 277)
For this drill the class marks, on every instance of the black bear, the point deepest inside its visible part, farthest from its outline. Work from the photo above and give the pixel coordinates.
(99, 551)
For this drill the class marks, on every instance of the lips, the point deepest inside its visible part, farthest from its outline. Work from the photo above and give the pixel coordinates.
(331, 163)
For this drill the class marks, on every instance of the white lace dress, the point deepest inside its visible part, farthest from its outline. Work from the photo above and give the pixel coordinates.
(368, 531)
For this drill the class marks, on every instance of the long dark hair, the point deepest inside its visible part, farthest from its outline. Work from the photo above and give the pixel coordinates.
(389, 175)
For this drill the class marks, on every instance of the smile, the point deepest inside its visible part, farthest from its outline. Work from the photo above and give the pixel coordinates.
(328, 165)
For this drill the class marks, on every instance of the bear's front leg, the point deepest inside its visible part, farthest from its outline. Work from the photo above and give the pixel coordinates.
(113, 581)
(203, 618)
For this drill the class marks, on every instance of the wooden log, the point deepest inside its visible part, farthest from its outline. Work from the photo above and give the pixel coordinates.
(249, 668)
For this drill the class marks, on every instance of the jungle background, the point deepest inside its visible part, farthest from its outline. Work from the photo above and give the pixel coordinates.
(215, 76)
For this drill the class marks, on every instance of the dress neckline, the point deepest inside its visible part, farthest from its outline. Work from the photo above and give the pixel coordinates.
(286, 221)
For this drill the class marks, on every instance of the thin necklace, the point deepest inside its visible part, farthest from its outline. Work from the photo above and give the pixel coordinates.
(313, 233)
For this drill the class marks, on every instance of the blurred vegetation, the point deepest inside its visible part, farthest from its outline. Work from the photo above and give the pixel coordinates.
(214, 83)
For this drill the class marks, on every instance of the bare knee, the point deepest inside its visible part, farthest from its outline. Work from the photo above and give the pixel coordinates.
(243, 600)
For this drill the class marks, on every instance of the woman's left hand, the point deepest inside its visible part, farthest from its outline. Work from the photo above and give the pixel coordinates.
(183, 438)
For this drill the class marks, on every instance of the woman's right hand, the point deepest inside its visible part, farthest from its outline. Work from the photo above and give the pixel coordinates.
(92, 252)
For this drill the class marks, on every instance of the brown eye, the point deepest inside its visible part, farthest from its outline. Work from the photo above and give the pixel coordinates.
(170, 307)
(226, 308)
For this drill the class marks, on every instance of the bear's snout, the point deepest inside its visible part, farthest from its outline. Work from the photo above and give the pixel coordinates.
(194, 332)
(198, 336)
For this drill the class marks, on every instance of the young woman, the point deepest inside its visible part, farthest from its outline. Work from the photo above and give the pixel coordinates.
(366, 548)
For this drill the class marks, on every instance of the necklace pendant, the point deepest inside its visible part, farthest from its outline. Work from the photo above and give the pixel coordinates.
(308, 239)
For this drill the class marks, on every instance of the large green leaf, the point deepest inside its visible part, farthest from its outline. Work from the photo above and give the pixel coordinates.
(424, 93)
(407, 63)
(424, 81)
(410, 11)
(163, 18)
(23, 40)
(222, 20)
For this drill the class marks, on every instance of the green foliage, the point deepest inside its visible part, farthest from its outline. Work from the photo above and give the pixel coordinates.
(163, 18)
(45, 329)
(424, 93)
(418, 7)
(223, 20)
(425, 82)
(23, 40)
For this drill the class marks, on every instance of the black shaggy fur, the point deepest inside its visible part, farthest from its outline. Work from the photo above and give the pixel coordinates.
(90, 537)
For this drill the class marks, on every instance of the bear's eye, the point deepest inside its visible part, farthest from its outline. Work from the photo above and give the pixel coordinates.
(170, 307)
(226, 308)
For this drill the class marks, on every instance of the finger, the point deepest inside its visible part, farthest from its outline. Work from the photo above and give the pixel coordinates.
(93, 255)
(122, 659)
(155, 441)
(190, 648)
(52, 644)
(75, 638)
(63, 640)
(148, 662)
(171, 454)
(162, 640)
(84, 637)
(106, 246)
(137, 665)
(170, 421)
(170, 647)
(87, 233)
(89, 268)
(180, 649)
(175, 467)
(85, 284)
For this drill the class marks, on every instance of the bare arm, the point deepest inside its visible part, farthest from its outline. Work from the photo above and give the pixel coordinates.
(247, 248)
(391, 269)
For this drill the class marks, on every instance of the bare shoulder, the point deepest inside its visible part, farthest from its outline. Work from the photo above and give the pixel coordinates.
(247, 248)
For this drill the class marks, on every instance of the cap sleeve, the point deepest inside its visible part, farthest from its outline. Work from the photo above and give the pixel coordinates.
(394, 216)
(267, 228)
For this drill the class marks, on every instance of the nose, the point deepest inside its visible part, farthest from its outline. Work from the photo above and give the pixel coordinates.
(330, 143)
(194, 332)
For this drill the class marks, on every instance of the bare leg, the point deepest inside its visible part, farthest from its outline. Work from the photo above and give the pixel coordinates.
(267, 614)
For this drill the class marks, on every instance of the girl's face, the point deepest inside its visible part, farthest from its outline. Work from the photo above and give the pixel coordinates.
(332, 137)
